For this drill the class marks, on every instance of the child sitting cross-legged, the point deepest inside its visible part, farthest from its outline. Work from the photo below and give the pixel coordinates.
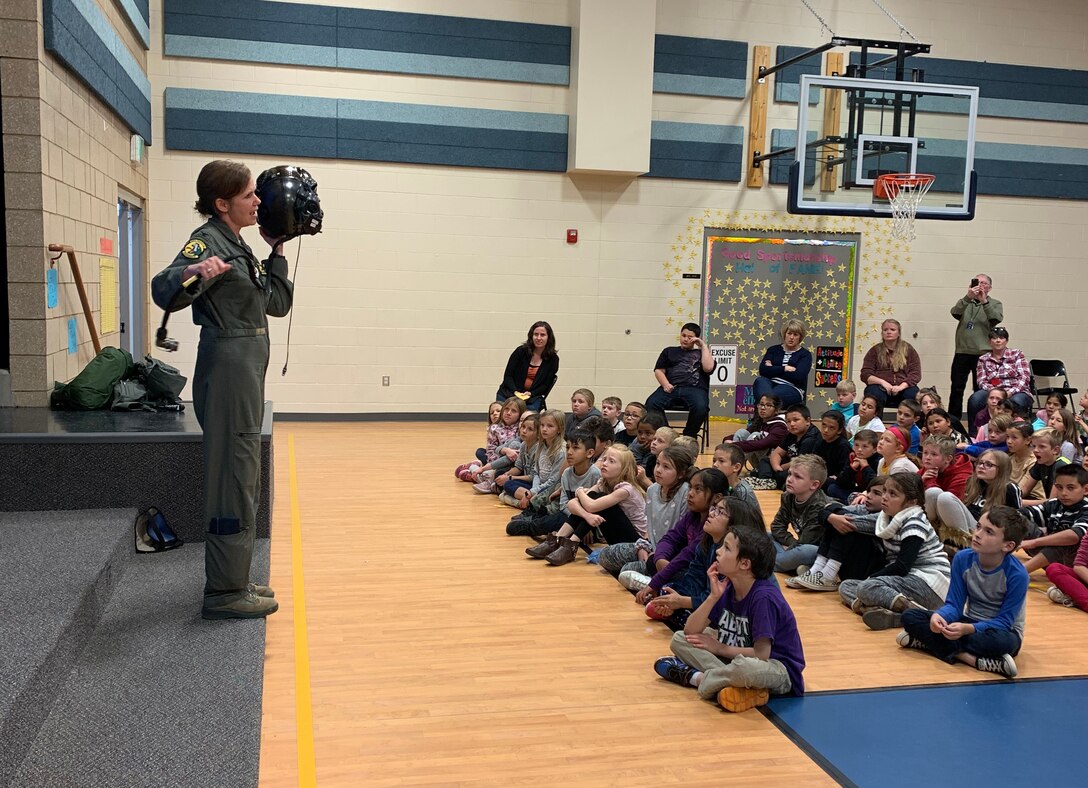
(862, 467)
(541, 473)
(675, 549)
(579, 472)
(521, 464)
(849, 548)
(833, 446)
(500, 431)
(633, 563)
(764, 431)
(800, 509)
(691, 587)
(982, 620)
(741, 645)
(801, 438)
(615, 506)
(1058, 525)
(956, 516)
(916, 574)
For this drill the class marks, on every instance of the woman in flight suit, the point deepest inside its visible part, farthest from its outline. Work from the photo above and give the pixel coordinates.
(231, 293)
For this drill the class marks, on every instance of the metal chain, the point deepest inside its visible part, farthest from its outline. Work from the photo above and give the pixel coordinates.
(820, 19)
(888, 14)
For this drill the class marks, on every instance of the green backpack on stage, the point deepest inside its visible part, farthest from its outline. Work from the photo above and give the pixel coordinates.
(92, 388)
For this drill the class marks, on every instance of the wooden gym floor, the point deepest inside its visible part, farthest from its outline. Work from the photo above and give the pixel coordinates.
(435, 652)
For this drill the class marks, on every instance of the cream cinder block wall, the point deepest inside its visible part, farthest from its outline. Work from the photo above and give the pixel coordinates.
(66, 154)
(431, 275)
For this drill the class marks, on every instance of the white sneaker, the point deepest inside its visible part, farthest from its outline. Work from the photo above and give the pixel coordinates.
(633, 581)
(906, 641)
(814, 581)
(1059, 597)
(1003, 665)
(508, 499)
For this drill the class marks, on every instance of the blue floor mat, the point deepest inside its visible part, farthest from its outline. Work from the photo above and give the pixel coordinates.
(991, 734)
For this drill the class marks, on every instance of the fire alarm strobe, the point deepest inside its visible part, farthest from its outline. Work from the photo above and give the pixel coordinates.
(572, 236)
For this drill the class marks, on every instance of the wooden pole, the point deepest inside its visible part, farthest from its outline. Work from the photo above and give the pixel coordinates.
(757, 117)
(832, 119)
(66, 249)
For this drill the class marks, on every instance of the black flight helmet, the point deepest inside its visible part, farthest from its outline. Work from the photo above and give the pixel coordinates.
(289, 205)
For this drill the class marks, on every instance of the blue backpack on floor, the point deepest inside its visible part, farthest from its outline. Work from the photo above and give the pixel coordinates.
(154, 534)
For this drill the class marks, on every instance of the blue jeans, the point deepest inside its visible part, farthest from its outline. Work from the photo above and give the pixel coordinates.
(887, 400)
(988, 643)
(977, 402)
(695, 400)
(788, 559)
(785, 392)
(513, 485)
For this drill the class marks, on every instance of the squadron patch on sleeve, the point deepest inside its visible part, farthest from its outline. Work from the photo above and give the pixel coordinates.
(194, 249)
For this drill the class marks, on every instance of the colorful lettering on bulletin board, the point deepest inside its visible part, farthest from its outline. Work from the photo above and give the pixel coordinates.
(830, 362)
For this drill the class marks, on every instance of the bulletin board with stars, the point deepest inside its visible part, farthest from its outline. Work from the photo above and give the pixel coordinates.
(758, 270)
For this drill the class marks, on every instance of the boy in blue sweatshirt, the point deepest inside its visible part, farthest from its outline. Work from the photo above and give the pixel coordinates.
(982, 621)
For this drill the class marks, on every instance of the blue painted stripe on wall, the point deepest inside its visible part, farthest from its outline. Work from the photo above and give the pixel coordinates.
(1004, 80)
(80, 36)
(353, 109)
(699, 86)
(224, 121)
(787, 82)
(708, 57)
(136, 13)
(696, 132)
(299, 34)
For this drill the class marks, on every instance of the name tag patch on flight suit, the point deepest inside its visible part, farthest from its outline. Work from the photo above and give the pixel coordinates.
(194, 249)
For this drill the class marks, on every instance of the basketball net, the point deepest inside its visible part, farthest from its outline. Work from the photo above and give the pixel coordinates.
(904, 192)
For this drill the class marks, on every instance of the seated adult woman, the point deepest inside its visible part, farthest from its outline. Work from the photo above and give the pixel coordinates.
(1003, 367)
(891, 369)
(784, 368)
(532, 368)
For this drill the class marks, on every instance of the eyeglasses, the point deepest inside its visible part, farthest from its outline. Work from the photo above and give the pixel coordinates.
(985, 464)
(718, 511)
(632, 415)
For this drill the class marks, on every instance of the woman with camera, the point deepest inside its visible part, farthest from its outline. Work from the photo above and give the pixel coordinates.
(231, 293)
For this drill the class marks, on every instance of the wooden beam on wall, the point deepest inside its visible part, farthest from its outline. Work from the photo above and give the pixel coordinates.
(832, 118)
(757, 117)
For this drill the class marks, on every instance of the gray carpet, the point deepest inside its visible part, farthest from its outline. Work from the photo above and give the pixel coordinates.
(158, 696)
(58, 569)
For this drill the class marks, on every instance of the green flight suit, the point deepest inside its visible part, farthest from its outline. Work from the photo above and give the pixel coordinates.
(228, 389)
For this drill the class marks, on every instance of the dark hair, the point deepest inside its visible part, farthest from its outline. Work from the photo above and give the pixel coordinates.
(913, 406)
(876, 481)
(602, 430)
(1018, 409)
(221, 179)
(585, 438)
(1014, 526)
(549, 347)
(684, 461)
(774, 398)
(693, 328)
(944, 414)
(736, 456)
(1023, 428)
(654, 418)
(799, 408)
(866, 436)
(741, 513)
(591, 423)
(1058, 396)
(1073, 470)
(874, 398)
(836, 417)
(714, 480)
(755, 545)
(910, 484)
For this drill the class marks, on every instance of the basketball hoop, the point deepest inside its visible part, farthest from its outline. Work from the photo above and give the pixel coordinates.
(904, 191)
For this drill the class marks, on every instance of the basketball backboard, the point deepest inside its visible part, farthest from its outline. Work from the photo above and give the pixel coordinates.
(862, 128)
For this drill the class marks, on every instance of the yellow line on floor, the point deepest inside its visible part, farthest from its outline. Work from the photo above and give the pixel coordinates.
(304, 720)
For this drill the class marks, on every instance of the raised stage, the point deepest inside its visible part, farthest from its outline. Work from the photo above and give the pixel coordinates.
(63, 460)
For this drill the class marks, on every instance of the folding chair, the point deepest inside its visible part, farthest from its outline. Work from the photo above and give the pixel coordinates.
(1049, 368)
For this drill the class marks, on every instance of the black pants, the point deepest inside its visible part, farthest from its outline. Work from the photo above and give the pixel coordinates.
(615, 529)
(859, 554)
(963, 364)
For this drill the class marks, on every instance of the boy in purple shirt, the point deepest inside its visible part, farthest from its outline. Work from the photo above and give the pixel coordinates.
(741, 645)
